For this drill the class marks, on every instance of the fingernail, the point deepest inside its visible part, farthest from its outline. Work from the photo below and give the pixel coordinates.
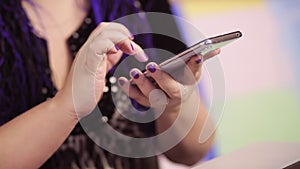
(198, 61)
(121, 82)
(131, 36)
(117, 47)
(135, 74)
(151, 68)
(131, 46)
(141, 56)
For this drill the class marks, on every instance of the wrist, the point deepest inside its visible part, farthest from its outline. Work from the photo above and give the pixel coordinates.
(64, 107)
(170, 114)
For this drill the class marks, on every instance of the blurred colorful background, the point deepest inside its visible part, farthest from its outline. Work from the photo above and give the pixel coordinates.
(262, 75)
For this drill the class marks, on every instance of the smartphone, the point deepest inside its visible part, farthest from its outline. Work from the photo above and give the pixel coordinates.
(201, 48)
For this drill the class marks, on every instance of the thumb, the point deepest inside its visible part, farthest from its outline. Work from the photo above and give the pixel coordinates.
(88, 80)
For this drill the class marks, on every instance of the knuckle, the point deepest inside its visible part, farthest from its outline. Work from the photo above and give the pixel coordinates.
(132, 93)
(176, 93)
(134, 96)
(121, 26)
(102, 24)
(160, 77)
(141, 82)
(98, 29)
(99, 46)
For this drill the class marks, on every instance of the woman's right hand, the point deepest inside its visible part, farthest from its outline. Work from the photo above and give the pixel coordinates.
(86, 79)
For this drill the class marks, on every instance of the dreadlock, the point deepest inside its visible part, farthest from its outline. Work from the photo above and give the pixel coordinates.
(22, 61)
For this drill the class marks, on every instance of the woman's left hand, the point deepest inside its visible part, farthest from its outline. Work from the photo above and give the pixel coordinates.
(173, 89)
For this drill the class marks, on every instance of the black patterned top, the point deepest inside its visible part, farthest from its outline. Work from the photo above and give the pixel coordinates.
(79, 151)
(26, 81)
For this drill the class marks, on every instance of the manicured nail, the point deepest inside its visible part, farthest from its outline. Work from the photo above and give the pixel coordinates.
(151, 68)
(198, 61)
(135, 74)
(131, 36)
(121, 82)
(141, 56)
(131, 46)
(117, 47)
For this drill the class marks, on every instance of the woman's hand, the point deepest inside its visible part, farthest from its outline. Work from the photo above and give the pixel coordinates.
(176, 87)
(86, 80)
(171, 94)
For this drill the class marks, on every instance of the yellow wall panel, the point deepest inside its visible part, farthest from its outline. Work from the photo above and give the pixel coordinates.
(192, 7)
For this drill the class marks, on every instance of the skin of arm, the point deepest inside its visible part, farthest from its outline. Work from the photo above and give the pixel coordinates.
(30, 139)
(189, 150)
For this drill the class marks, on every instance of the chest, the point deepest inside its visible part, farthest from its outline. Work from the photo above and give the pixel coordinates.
(60, 60)
(56, 27)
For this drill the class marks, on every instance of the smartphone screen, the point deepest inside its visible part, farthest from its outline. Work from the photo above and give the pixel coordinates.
(201, 48)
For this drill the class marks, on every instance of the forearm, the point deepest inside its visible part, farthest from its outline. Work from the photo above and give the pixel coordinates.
(31, 138)
(189, 150)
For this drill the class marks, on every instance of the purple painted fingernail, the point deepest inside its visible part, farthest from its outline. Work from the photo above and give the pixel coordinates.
(117, 47)
(131, 46)
(135, 74)
(198, 61)
(151, 68)
(121, 82)
(132, 36)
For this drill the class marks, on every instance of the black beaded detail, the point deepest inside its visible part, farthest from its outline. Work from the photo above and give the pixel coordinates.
(79, 37)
